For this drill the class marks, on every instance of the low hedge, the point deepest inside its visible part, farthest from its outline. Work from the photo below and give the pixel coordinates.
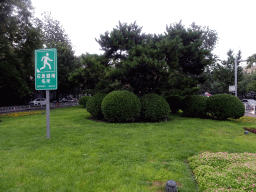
(121, 106)
(93, 105)
(175, 102)
(83, 100)
(223, 106)
(195, 106)
(154, 107)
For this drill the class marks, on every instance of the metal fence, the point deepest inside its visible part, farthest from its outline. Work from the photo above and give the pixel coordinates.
(13, 109)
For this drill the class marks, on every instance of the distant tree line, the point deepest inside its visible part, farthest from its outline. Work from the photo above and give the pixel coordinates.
(166, 64)
(20, 35)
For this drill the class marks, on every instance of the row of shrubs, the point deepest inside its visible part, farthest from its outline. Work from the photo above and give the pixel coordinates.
(125, 106)
(220, 106)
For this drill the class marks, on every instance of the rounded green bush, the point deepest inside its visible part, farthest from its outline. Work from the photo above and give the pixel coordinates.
(154, 107)
(224, 106)
(83, 100)
(195, 106)
(175, 102)
(121, 106)
(93, 105)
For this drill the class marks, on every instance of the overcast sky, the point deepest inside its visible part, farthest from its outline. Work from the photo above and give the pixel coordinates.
(85, 20)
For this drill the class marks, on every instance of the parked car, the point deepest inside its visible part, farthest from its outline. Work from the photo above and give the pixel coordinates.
(250, 103)
(71, 99)
(63, 100)
(38, 101)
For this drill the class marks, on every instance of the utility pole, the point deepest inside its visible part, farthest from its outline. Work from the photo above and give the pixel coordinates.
(236, 61)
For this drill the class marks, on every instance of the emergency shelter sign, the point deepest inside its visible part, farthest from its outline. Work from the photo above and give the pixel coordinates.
(46, 73)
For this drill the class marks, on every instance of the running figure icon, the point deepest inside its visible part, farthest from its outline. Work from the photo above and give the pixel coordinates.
(46, 58)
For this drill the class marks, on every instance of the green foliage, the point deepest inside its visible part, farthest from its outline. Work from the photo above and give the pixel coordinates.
(143, 73)
(190, 51)
(251, 60)
(54, 36)
(120, 40)
(52, 30)
(83, 100)
(194, 106)
(175, 102)
(224, 106)
(247, 85)
(155, 63)
(92, 73)
(154, 107)
(93, 105)
(220, 75)
(121, 106)
(251, 86)
(18, 40)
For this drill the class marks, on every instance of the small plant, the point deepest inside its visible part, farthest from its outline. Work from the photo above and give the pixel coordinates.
(224, 106)
(154, 107)
(194, 106)
(223, 171)
(93, 105)
(175, 102)
(20, 114)
(244, 119)
(121, 106)
(83, 100)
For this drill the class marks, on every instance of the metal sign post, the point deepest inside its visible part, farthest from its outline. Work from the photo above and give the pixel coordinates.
(236, 77)
(46, 77)
(48, 113)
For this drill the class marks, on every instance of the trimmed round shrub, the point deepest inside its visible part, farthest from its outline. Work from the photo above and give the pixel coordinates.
(93, 105)
(121, 106)
(224, 106)
(154, 107)
(175, 102)
(195, 106)
(83, 100)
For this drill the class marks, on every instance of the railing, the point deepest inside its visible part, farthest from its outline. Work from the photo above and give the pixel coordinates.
(13, 109)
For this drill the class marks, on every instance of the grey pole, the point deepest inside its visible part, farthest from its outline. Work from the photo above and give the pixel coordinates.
(48, 113)
(236, 74)
(236, 77)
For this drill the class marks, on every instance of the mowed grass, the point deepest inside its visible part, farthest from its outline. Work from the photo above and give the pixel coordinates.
(86, 155)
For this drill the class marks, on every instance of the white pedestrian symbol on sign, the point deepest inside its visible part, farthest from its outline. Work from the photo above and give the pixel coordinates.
(46, 58)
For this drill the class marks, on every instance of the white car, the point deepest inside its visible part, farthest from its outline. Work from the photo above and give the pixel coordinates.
(39, 101)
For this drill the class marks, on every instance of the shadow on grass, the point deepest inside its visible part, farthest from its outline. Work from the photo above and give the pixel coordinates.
(137, 120)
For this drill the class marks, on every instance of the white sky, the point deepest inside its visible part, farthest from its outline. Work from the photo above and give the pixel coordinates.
(85, 20)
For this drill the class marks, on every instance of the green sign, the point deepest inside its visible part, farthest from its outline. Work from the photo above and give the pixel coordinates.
(46, 73)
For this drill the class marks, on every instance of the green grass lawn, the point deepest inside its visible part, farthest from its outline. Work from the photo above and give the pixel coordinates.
(86, 155)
